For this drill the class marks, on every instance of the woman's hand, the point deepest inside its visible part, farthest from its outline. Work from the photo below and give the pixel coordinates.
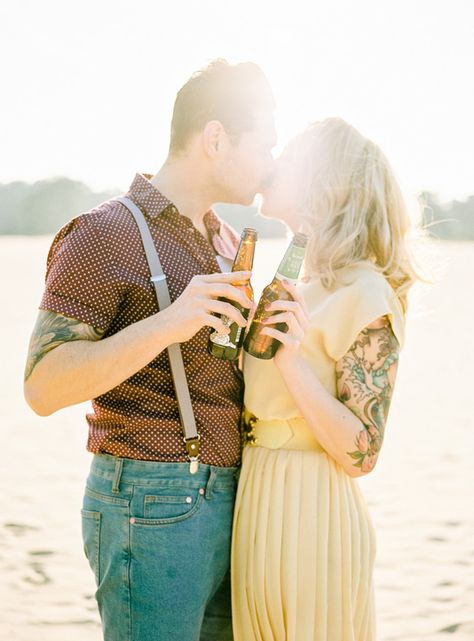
(295, 314)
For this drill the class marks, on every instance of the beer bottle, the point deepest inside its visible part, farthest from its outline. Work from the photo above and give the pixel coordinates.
(227, 346)
(256, 343)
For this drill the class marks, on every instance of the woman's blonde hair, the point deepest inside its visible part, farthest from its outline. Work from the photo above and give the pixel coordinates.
(352, 206)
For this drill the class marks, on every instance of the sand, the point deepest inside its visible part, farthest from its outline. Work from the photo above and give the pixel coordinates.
(420, 494)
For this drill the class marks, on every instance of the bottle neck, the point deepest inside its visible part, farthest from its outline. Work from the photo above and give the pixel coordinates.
(245, 254)
(291, 263)
(279, 276)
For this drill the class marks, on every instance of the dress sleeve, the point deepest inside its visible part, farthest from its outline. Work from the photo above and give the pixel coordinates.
(81, 280)
(353, 307)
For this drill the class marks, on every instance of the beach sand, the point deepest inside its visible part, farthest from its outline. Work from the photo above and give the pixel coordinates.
(420, 494)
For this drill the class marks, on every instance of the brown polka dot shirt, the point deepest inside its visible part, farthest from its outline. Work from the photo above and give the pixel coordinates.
(97, 273)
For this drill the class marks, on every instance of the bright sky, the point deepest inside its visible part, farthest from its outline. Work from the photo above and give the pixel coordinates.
(89, 86)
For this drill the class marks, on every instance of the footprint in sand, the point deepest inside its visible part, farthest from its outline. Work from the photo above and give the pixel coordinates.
(451, 628)
(40, 577)
(19, 529)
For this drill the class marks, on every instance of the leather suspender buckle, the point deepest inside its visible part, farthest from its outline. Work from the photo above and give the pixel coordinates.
(192, 448)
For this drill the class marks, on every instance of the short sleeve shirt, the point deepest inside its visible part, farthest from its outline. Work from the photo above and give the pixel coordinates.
(336, 318)
(97, 273)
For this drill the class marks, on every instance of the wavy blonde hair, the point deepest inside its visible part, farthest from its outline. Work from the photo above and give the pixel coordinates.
(352, 206)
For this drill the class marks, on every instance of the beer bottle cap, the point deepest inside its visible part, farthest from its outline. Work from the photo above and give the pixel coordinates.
(249, 232)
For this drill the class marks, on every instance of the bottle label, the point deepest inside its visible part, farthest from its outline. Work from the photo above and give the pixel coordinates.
(225, 339)
(291, 264)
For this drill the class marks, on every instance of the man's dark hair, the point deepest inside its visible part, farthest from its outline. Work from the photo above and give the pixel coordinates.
(231, 94)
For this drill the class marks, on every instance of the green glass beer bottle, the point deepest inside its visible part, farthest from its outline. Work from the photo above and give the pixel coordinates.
(228, 346)
(258, 344)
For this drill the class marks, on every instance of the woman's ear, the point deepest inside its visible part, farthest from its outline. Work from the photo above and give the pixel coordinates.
(213, 137)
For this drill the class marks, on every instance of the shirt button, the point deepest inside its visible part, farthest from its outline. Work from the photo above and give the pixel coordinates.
(189, 499)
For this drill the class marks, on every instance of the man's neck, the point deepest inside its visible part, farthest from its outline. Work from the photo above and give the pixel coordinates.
(181, 182)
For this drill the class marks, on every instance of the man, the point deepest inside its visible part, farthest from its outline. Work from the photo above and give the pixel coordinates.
(157, 537)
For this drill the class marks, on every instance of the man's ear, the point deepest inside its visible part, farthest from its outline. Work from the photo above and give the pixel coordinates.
(213, 136)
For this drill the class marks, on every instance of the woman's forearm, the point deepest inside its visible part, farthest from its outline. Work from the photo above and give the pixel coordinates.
(335, 427)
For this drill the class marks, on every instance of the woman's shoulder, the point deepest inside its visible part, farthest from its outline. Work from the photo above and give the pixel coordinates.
(359, 282)
(360, 295)
(360, 275)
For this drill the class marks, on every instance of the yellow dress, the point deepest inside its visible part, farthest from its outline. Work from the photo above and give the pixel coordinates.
(303, 543)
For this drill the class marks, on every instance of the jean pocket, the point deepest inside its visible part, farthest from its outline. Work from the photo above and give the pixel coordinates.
(91, 539)
(164, 507)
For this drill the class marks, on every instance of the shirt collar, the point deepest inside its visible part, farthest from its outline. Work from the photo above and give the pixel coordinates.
(153, 203)
(147, 197)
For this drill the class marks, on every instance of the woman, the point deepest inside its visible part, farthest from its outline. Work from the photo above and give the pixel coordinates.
(303, 546)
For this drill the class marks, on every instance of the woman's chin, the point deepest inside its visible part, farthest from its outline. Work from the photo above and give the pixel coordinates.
(265, 208)
(266, 211)
(273, 213)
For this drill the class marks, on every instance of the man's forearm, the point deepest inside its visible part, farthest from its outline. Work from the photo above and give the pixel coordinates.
(80, 370)
(69, 363)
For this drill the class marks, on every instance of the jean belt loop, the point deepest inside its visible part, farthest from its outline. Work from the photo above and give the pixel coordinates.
(210, 484)
(117, 475)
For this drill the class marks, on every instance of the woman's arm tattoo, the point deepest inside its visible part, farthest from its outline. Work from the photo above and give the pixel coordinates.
(365, 380)
(52, 330)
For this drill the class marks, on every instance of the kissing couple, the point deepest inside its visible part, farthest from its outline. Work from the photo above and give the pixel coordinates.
(262, 538)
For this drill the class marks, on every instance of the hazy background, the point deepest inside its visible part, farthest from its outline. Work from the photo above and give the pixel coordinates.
(89, 86)
(88, 90)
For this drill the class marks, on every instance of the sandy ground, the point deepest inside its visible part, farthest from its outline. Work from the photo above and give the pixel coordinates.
(420, 494)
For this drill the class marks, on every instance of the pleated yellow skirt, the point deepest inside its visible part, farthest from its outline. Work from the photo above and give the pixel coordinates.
(303, 543)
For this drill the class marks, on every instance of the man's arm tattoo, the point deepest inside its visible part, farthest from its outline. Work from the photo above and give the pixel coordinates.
(52, 330)
(365, 380)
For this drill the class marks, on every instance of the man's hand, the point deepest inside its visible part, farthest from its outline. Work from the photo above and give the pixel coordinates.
(198, 303)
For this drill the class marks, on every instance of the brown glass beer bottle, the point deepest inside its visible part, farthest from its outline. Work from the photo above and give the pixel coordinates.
(256, 343)
(228, 346)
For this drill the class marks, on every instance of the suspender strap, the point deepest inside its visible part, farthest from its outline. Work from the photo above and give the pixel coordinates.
(158, 278)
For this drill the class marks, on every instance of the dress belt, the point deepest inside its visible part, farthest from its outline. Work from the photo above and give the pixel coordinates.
(276, 434)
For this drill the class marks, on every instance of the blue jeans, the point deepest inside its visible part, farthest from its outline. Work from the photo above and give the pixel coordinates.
(158, 541)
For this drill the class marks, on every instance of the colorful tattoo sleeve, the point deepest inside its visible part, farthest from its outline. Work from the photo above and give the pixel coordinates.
(365, 380)
(51, 330)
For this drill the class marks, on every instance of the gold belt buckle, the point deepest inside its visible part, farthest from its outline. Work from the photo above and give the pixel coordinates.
(247, 429)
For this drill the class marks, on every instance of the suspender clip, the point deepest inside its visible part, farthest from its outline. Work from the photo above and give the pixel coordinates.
(192, 448)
